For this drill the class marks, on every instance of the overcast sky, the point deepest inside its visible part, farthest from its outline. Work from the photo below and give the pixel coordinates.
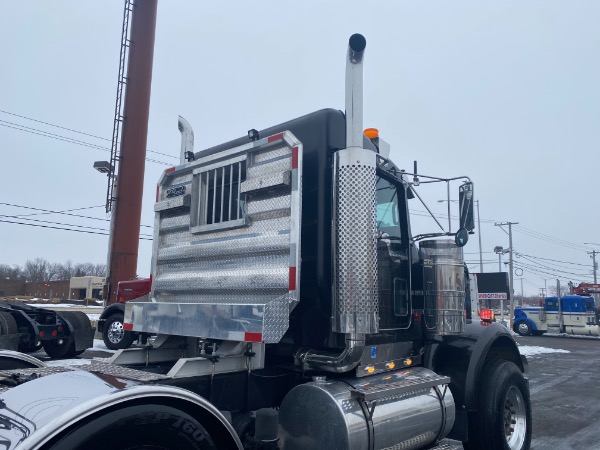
(505, 92)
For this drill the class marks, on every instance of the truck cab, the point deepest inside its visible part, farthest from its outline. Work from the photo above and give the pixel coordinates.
(576, 315)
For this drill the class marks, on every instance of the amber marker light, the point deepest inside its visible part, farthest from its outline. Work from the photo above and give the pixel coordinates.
(371, 133)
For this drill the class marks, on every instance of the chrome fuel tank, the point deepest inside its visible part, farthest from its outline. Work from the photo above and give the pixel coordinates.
(408, 409)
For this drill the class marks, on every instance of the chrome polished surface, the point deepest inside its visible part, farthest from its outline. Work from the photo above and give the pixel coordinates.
(12, 357)
(41, 409)
(354, 90)
(444, 287)
(515, 419)
(187, 139)
(409, 413)
(228, 264)
(355, 296)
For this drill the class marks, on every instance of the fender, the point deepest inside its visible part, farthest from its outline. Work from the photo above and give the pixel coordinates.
(529, 322)
(109, 311)
(462, 359)
(43, 411)
(10, 359)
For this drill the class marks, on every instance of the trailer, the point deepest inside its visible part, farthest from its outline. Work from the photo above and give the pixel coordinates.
(27, 329)
(291, 307)
(576, 314)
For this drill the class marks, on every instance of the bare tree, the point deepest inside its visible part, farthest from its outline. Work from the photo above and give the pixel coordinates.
(36, 270)
(10, 273)
(99, 270)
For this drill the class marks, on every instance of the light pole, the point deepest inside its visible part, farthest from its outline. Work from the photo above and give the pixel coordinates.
(478, 234)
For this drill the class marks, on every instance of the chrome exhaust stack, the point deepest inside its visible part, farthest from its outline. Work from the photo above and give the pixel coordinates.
(187, 139)
(355, 306)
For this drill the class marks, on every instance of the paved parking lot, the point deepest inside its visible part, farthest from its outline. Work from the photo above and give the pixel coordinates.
(565, 392)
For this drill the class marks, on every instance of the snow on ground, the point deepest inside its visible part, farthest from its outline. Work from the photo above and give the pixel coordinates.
(61, 305)
(533, 350)
(99, 345)
(93, 316)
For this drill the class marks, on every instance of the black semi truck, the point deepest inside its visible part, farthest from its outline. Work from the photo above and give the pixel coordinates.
(291, 307)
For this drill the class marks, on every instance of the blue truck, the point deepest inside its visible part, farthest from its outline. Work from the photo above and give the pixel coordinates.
(576, 315)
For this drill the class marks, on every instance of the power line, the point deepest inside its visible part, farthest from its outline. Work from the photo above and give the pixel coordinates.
(75, 131)
(59, 212)
(64, 224)
(63, 211)
(555, 260)
(66, 139)
(64, 229)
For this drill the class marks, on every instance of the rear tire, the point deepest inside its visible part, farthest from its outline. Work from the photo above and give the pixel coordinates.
(503, 417)
(66, 347)
(113, 334)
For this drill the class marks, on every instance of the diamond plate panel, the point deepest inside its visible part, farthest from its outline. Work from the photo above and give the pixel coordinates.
(247, 265)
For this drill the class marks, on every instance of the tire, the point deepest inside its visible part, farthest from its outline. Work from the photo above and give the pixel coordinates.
(140, 427)
(30, 348)
(113, 335)
(8, 324)
(504, 399)
(66, 347)
(56, 350)
(523, 328)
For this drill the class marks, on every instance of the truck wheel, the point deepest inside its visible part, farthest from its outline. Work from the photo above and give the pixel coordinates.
(113, 334)
(60, 348)
(140, 427)
(523, 329)
(8, 324)
(503, 418)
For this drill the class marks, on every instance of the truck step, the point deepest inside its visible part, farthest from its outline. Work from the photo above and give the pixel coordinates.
(403, 382)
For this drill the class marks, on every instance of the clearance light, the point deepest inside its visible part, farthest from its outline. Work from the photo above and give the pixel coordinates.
(390, 365)
(54, 333)
(60, 328)
(41, 334)
(371, 133)
(408, 362)
(370, 369)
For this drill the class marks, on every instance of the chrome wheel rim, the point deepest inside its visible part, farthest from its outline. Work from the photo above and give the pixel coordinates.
(515, 419)
(115, 332)
(523, 328)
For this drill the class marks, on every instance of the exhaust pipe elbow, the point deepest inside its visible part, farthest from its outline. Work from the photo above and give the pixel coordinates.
(342, 362)
(187, 139)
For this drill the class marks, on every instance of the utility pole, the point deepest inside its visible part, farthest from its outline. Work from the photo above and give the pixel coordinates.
(593, 254)
(479, 235)
(510, 265)
(522, 292)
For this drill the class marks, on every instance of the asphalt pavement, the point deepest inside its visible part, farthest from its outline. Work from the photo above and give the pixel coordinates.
(565, 392)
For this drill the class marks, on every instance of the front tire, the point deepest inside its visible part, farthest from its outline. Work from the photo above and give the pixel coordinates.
(523, 328)
(113, 334)
(503, 418)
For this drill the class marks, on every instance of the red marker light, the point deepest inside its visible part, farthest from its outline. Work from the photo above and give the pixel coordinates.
(487, 315)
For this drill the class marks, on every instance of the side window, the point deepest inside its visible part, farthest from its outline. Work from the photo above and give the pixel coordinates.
(388, 217)
(217, 199)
